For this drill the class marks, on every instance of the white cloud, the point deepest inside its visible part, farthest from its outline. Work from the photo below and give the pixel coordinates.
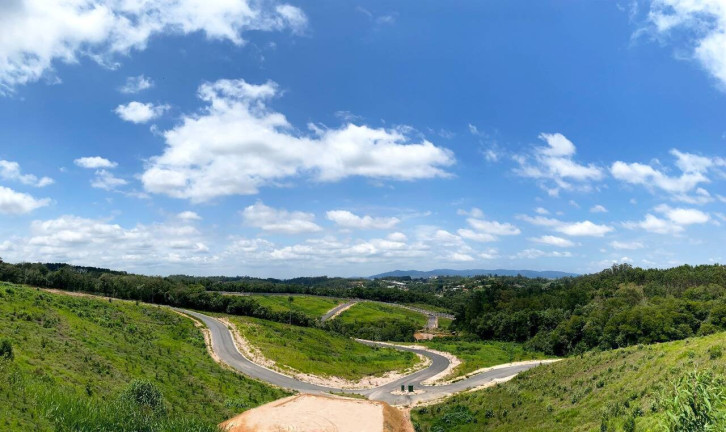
(626, 245)
(493, 227)
(675, 220)
(702, 23)
(269, 219)
(541, 211)
(598, 209)
(584, 228)
(17, 203)
(347, 219)
(694, 170)
(136, 84)
(37, 34)
(137, 112)
(94, 162)
(189, 216)
(553, 165)
(107, 181)
(540, 220)
(553, 241)
(236, 145)
(11, 171)
(536, 253)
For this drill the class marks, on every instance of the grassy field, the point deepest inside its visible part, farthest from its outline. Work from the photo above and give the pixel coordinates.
(311, 306)
(319, 352)
(367, 312)
(445, 323)
(477, 355)
(429, 307)
(595, 391)
(82, 353)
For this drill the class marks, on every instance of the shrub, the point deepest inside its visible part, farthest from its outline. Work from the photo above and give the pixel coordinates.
(715, 352)
(144, 394)
(6, 349)
(695, 404)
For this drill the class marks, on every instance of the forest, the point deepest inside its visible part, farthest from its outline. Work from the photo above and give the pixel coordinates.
(618, 307)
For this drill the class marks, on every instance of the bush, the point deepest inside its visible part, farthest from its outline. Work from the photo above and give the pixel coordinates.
(144, 394)
(6, 349)
(695, 404)
(715, 352)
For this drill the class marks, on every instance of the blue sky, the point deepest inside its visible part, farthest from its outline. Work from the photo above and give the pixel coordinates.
(350, 138)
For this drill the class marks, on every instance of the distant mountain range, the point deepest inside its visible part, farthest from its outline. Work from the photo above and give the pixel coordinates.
(474, 272)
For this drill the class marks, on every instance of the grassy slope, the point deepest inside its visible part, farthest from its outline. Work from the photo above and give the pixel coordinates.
(367, 312)
(320, 352)
(576, 393)
(80, 346)
(477, 355)
(314, 307)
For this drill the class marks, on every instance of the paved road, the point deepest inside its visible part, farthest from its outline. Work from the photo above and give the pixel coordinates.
(223, 345)
(332, 312)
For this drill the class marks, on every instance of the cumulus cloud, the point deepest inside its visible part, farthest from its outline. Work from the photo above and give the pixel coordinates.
(279, 220)
(17, 203)
(189, 216)
(102, 243)
(37, 34)
(237, 144)
(136, 84)
(673, 220)
(553, 165)
(483, 230)
(107, 181)
(137, 112)
(553, 241)
(94, 162)
(347, 219)
(626, 245)
(694, 171)
(598, 209)
(701, 24)
(536, 253)
(584, 228)
(11, 171)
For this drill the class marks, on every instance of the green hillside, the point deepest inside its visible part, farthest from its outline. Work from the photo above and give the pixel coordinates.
(319, 352)
(596, 391)
(73, 357)
(312, 306)
(376, 321)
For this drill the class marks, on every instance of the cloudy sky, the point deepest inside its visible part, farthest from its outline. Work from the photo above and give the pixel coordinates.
(349, 138)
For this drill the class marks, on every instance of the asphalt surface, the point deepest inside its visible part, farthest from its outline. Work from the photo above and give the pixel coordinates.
(223, 345)
(331, 313)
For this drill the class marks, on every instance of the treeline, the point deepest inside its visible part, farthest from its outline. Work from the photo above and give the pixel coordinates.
(617, 307)
(391, 329)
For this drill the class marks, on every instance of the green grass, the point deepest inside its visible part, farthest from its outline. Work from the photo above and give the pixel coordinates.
(364, 313)
(89, 350)
(319, 352)
(477, 355)
(445, 323)
(582, 393)
(311, 306)
(429, 307)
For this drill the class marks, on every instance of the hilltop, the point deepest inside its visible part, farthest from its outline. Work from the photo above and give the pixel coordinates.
(418, 274)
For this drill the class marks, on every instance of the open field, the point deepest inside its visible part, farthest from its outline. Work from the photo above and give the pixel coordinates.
(319, 352)
(81, 353)
(311, 306)
(584, 393)
(481, 354)
(367, 312)
(378, 321)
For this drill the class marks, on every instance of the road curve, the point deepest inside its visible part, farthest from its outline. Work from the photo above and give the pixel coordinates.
(223, 345)
(336, 310)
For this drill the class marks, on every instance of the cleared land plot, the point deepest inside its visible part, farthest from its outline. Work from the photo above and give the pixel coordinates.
(90, 350)
(595, 391)
(319, 352)
(366, 312)
(314, 307)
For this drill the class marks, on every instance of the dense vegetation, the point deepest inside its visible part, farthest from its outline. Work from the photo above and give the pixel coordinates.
(379, 322)
(617, 307)
(318, 352)
(66, 359)
(628, 389)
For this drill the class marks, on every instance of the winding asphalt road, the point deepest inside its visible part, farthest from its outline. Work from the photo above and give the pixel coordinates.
(223, 345)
